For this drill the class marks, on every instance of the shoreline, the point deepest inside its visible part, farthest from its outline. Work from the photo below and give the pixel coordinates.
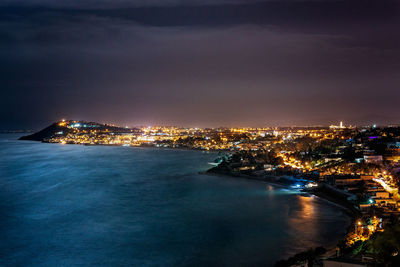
(270, 180)
(325, 197)
(243, 176)
(351, 213)
(347, 211)
(140, 146)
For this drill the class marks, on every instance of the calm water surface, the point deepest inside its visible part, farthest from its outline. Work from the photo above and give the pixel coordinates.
(70, 205)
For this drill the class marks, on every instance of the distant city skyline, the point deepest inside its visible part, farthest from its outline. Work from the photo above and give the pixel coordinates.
(338, 125)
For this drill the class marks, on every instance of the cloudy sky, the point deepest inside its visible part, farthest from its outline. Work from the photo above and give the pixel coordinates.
(199, 63)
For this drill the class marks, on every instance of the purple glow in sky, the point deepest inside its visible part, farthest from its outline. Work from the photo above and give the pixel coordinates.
(199, 63)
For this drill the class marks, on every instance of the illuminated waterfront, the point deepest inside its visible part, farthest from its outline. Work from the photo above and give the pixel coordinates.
(96, 205)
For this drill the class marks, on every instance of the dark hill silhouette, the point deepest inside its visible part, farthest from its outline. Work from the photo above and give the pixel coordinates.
(46, 133)
(65, 128)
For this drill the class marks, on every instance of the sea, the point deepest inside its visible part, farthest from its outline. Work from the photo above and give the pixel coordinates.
(74, 205)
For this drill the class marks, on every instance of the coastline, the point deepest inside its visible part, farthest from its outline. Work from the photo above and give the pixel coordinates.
(270, 179)
(351, 213)
(243, 176)
(140, 146)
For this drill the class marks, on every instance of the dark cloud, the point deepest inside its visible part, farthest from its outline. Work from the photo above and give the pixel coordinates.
(118, 3)
(246, 64)
(368, 21)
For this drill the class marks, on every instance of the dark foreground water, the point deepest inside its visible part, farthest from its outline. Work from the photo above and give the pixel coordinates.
(69, 205)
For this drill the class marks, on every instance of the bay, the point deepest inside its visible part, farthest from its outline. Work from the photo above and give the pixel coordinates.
(71, 205)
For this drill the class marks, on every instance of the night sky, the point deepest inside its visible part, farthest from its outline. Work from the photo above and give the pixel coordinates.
(199, 63)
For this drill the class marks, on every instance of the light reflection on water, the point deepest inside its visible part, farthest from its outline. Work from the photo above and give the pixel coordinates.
(307, 207)
(75, 205)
